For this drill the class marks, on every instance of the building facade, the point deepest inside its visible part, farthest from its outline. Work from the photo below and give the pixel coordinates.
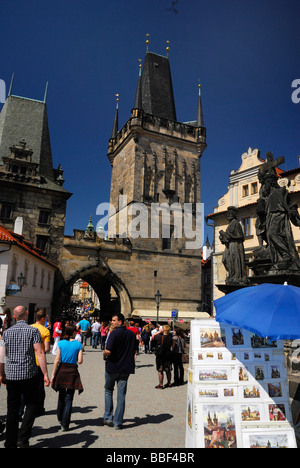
(20, 258)
(30, 188)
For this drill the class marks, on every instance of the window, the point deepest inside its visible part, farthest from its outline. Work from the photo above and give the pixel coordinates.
(6, 211)
(254, 188)
(49, 281)
(41, 242)
(26, 270)
(44, 217)
(34, 276)
(122, 199)
(247, 226)
(245, 191)
(14, 265)
(42, 279)
(167, 241)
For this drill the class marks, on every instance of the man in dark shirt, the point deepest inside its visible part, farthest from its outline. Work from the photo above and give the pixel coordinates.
(119, 356)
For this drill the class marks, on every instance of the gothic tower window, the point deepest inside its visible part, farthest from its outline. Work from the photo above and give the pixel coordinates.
(44, 217)
(6, 210)
(42, 242)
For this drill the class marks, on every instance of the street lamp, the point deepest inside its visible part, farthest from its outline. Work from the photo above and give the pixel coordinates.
(21, 281)
(158, 297)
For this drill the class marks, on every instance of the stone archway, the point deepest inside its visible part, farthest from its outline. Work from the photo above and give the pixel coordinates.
(101, 280)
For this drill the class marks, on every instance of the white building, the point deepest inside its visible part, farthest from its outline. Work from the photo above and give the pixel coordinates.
(20, 258)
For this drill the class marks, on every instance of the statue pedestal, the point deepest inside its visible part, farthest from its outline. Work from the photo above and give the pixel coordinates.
(293, 279)
(290, 278)
(229, 288)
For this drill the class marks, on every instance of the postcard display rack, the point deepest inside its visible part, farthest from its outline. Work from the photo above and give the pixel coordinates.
(237, 390)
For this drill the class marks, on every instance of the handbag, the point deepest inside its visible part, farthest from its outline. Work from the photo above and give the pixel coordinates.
(185, 358)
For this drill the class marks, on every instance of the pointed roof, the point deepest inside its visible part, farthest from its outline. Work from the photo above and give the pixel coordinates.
(23, 119)
(26, 119)
(116, 121)
(90, 226)
(138, 102)
(200, 120)
(157, 88)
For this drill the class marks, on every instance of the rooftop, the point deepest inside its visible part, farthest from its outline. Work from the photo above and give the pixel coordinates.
(18, 240)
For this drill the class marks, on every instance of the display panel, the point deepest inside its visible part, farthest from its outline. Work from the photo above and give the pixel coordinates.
(238, 389)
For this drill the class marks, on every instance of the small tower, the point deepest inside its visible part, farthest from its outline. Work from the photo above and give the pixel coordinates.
(200, 124)
(90, 230)
(116, 121)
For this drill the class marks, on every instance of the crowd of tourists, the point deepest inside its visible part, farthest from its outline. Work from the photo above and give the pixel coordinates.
(24, 372)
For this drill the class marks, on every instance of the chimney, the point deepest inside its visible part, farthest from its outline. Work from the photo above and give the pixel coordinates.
(18, 226)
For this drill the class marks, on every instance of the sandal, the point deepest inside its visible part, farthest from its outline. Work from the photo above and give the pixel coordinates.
(168, 385)
(160, 386)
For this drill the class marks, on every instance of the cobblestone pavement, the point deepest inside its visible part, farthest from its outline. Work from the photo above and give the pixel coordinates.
(153, 418)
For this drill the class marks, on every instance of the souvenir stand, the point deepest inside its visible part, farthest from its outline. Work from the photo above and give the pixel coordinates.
(237, 390)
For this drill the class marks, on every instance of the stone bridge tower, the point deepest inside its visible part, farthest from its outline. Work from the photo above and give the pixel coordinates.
(155, 160)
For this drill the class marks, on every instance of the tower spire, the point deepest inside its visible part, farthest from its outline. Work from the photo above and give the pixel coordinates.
(116, 121)
(168, 48)
(147, 42)
(138, 97)
(200, 120)
(11, 84)
(46, 92)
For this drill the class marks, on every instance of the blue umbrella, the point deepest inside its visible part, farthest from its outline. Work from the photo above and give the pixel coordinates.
(268, 310)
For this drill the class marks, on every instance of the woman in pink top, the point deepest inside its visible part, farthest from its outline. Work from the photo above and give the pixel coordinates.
(103, 332)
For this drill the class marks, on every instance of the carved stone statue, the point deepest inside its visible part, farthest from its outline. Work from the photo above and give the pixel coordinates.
(280, 212)
(275, 212)
(234, 254)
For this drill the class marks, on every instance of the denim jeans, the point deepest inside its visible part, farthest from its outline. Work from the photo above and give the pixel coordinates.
(64, 407)
(95, 339)
(110, 380)
(103, 340)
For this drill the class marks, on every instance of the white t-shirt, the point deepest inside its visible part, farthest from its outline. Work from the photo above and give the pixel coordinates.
(96, 327)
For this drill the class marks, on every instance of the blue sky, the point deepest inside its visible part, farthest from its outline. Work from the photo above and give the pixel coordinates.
(246, 54)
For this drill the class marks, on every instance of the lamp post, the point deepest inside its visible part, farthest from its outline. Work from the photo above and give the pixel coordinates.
(158, 297)
(21, 281)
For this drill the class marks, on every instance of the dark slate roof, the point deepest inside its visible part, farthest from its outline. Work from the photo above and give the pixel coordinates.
(26, 119)
(157, 88)
(23, 118)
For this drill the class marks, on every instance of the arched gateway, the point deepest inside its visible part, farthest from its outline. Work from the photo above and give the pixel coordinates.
(96, 262)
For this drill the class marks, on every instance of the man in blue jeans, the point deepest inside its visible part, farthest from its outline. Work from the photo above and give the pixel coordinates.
(120, 363)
